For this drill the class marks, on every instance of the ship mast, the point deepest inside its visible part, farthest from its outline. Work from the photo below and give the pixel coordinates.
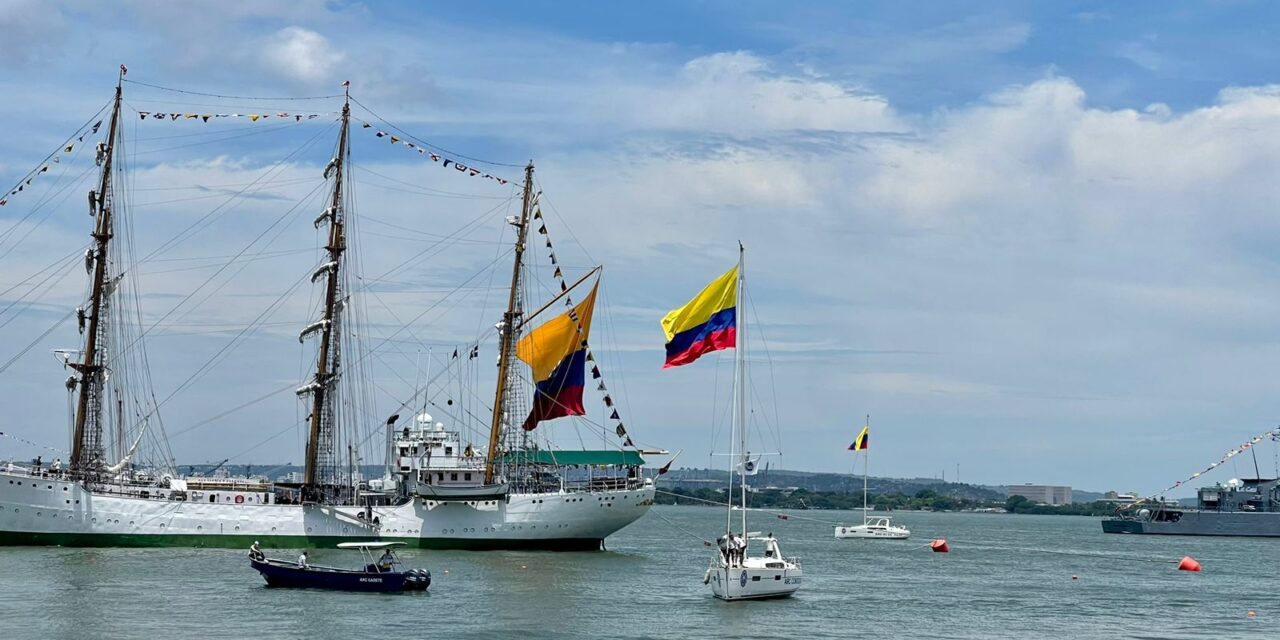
(86, 439)
(507, 334)
(321, 435)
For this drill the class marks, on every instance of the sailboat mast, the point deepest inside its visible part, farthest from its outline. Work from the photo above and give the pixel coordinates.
(866, 464)
(739, 385)
(86, 440)
(507, 335)
(321, 432)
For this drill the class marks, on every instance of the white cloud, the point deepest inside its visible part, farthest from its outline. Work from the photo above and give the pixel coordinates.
(30, 30)
(302, 55)
(737, 93)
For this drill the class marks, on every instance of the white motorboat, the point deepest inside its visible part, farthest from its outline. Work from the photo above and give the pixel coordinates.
(874, 527)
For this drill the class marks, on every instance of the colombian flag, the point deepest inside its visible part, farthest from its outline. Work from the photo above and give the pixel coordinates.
(706, 323)
(557, 353)
(863, 441)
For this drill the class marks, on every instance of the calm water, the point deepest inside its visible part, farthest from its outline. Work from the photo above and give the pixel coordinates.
(999, 581)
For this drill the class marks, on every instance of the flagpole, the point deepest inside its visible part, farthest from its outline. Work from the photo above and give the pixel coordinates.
(866, 465)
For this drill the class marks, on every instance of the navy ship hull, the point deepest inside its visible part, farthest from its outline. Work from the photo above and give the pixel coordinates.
(1202, 523)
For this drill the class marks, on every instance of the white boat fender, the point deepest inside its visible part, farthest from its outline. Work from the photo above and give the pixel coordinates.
(706, 578)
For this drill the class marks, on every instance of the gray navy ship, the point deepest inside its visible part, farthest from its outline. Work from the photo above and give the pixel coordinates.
(1238, 508)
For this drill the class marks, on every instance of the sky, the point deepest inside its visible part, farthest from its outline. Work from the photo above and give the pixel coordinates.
(1033, 240)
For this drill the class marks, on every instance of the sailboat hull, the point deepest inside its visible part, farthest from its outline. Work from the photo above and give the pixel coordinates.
(54, 511)
(746, 583)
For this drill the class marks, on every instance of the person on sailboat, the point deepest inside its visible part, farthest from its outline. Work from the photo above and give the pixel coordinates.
(302, 560)
(255, 552)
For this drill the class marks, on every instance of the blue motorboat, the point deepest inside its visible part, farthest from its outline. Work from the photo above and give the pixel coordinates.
(385, 574)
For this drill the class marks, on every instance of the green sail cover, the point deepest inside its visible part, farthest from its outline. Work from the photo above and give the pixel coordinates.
(578, 457)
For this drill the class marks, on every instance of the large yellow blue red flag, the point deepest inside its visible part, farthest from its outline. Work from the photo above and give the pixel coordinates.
(557, 353)
(708, 322)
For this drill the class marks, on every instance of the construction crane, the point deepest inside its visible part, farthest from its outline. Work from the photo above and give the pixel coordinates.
(216, 467)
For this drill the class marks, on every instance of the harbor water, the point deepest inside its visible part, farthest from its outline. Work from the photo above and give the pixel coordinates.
(1007, 576)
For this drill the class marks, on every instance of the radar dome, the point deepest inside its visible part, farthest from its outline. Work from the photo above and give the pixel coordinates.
(1235, 483)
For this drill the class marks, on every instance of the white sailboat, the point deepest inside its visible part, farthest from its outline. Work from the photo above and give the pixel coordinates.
(878, 527)
(748, 565)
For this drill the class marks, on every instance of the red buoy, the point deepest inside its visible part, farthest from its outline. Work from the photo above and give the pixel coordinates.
(940, 546)
(1188, 564)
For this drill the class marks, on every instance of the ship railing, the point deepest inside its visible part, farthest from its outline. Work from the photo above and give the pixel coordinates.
(604, 484)
(34, 471)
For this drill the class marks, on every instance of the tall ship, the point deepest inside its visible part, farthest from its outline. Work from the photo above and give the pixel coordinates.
(439, 488)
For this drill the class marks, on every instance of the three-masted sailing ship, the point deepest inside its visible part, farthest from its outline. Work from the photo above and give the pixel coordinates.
(436, 492)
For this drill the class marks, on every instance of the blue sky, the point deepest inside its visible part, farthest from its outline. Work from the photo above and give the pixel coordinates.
(1032, 239)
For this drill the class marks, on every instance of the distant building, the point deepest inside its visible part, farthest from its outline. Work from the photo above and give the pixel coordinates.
(1042, 493)
(1120, 498)
(293, 477)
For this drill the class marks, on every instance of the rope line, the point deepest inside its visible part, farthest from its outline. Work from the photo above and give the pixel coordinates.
(681, 529)
(428, 144)
(217, 95)
(780, 515)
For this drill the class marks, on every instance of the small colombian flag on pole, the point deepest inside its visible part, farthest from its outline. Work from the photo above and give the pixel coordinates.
(708, 322)
(863, 441)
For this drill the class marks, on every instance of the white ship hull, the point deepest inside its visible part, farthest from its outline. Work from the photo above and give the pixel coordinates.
(58, 511)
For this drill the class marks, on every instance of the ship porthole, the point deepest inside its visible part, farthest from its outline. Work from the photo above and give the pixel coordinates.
(131, 523)
(199, 527)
